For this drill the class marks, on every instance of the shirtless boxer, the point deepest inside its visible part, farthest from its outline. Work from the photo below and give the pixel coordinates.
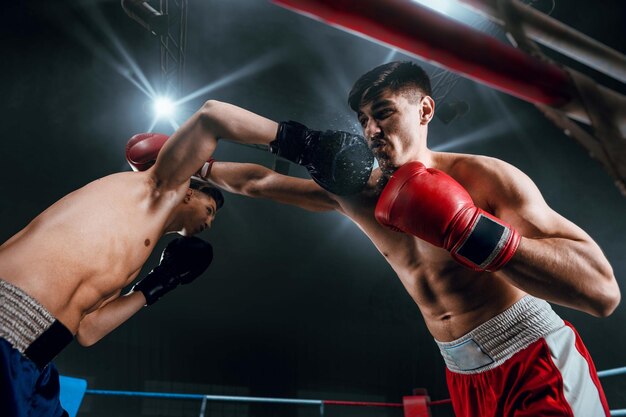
(470, 237)
(62, 275)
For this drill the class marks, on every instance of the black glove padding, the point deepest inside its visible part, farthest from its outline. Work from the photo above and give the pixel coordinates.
(340, 162)
(183, 260)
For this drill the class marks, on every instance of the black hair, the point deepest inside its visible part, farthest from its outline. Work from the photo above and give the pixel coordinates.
(394, 76)
(209, 190)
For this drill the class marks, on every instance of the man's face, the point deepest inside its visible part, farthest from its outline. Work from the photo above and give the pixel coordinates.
(391, 125)
(198, 213)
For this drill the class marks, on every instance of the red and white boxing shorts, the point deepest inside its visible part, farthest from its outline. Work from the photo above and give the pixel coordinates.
(526, 361)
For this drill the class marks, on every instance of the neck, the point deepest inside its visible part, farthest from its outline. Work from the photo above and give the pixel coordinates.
(423, 155)
(419, 150)
(173, 224)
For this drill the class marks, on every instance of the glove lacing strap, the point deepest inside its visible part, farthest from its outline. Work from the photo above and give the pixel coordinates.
(488, 244)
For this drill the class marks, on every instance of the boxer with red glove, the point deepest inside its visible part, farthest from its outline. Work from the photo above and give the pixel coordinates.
(431, 205)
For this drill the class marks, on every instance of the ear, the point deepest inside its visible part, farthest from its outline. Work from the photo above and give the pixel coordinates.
(427, 109)
(188, 196)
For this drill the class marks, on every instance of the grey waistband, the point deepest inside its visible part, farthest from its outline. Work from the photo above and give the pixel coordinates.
(22, 318)
(496, 340)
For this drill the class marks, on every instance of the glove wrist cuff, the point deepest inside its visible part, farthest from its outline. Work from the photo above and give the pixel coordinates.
(205, 172)
(152, 286)
(290, 142)
(488, 244)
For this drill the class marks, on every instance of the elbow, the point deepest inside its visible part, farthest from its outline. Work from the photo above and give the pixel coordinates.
(85, 341)
(210, 106)
(253, 188)
(605, 309)
(209, 111)
(85, 337)
(609, 304)
(213, 119)
(608, 299)
(256, 182)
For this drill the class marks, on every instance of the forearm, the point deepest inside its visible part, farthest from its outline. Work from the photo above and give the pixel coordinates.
(238, 178)
(103, 321)
(572, 273)
(252, 180)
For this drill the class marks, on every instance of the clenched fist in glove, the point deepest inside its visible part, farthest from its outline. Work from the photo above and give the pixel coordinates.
(431, 205)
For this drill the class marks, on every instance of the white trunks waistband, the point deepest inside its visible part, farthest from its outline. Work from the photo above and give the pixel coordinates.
(499, 338)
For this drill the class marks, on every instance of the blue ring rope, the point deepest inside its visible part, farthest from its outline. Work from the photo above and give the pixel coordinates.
(201, 396)
(611, 372)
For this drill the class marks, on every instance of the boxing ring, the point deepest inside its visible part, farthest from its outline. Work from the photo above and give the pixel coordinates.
(418, 404)
(562, 94)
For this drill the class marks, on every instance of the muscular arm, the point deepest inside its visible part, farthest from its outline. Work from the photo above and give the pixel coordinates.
(556, 260)
(259, 182)
(113, 312)
(194, 142)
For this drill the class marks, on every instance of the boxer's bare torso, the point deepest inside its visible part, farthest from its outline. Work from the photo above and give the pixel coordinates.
(87, 246)
(556, 260)
(452, 298)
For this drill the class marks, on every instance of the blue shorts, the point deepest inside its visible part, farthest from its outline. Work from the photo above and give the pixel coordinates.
(30, 337)
(25, 390)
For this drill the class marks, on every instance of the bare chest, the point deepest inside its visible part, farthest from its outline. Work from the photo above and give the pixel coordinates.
(85, 247)
(451, 298)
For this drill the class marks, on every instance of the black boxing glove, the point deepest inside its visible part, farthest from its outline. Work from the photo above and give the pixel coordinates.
(340, 162)
(182, 261)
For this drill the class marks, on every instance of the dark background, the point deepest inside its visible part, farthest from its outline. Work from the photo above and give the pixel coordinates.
(296, 304)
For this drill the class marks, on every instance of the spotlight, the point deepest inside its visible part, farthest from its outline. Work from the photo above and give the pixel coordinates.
(163, 107)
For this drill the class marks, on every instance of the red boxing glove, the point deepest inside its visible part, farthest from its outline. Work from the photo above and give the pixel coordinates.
(143, 148)
(431, 205)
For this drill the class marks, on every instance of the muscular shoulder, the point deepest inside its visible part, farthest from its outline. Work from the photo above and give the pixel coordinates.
(507, 192)
(492, 182)
(138, 187)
